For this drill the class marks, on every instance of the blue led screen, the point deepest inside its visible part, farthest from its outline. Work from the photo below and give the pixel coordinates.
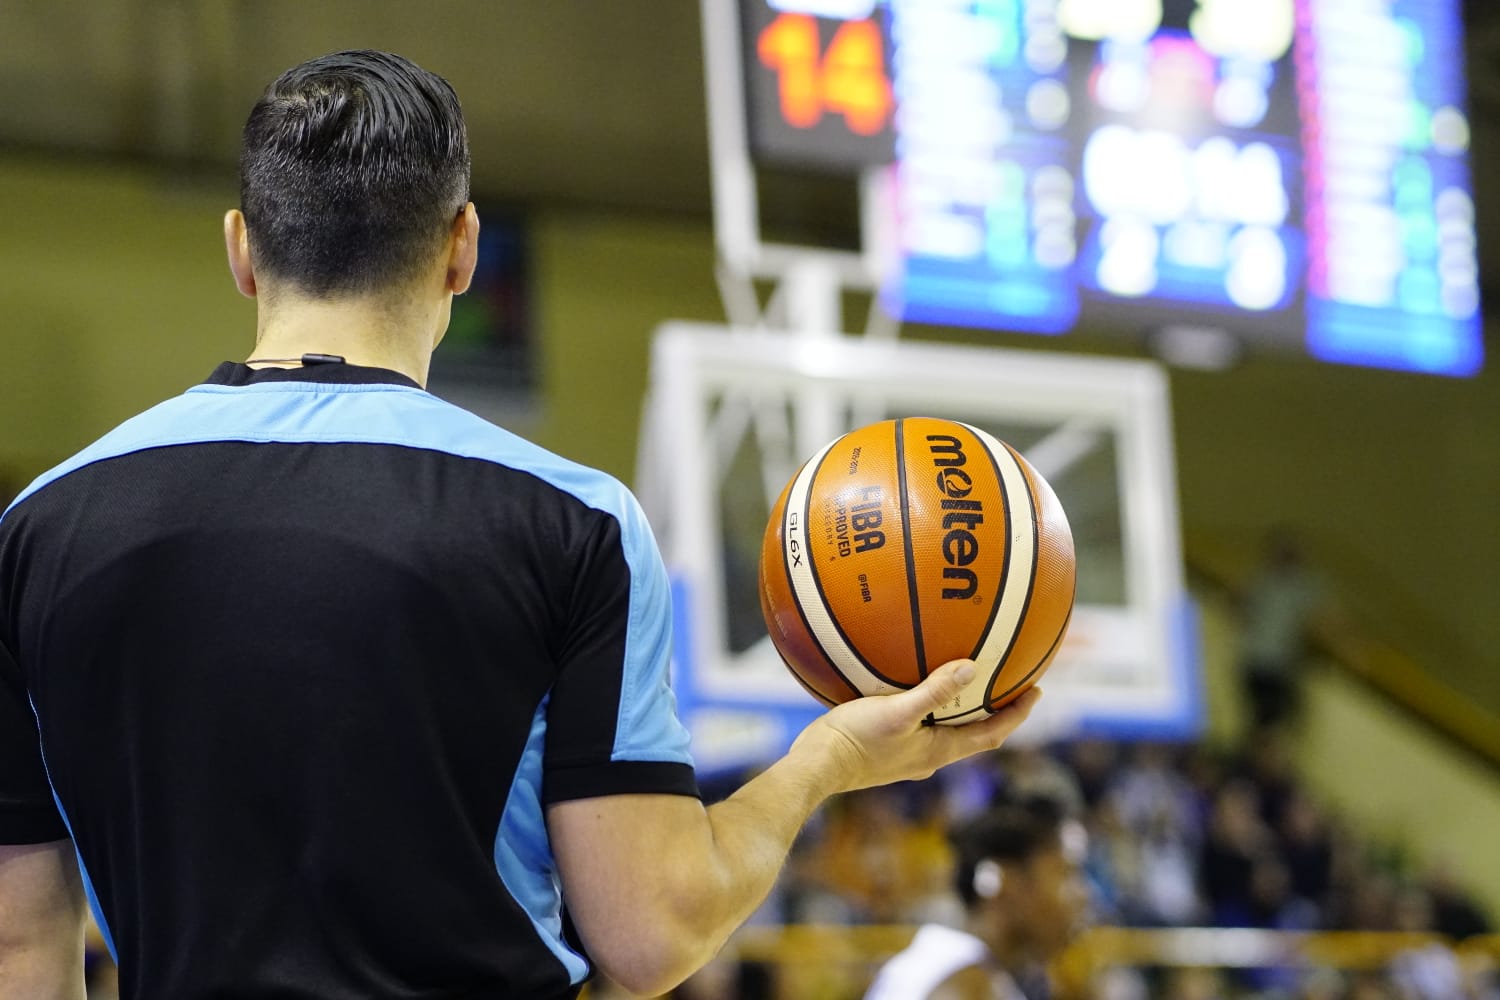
(1295, 171)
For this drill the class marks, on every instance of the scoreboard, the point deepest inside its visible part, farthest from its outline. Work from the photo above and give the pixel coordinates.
(1294, 171)
(822, 95)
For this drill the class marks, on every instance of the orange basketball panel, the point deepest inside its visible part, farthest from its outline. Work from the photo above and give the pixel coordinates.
(959, 535)
(855, 540)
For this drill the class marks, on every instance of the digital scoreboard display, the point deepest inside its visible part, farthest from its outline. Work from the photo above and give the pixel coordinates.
(821, 93)
(1295, 171)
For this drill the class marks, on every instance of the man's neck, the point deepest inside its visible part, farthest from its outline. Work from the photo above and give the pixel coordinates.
(1006, 953)
(398, 337)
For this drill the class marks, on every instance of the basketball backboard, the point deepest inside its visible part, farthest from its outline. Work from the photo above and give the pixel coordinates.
(732, 414)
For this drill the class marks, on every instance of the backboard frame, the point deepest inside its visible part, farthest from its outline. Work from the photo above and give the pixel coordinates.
(1134, 669)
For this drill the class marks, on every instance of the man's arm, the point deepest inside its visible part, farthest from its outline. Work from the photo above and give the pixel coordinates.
(656, 883)
(42, 916)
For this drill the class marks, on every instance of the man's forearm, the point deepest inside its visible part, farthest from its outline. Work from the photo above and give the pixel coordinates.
(44, 971)
(657, 883)
(753, 829)
(42, 918)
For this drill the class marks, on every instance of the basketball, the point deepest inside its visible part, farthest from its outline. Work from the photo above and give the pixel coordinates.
(908, 543)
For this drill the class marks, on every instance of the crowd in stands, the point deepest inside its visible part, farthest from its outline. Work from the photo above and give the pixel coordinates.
(1180, 836)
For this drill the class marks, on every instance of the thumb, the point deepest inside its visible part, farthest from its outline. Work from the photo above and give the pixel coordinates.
(942, 687)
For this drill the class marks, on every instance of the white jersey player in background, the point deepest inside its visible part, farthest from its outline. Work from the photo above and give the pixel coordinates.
(1018, 872)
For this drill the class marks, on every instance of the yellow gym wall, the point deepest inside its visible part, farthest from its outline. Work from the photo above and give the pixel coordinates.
(114, 294)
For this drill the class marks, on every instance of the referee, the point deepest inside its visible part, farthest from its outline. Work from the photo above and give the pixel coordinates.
(335, 690)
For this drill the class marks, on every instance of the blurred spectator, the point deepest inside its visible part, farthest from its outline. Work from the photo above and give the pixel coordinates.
(1307, 847)
(1167, 893)
(1367, 903)
(1276, 610)
(1151, 791)
(872, 863)
(1112, 865)
(1093, 762)
(1268, 766)
(1032, 773)
(1017, 870)
(1154, 845)
(1237, 838)
(1272, 904)
(1455, 914)
(1204, 771)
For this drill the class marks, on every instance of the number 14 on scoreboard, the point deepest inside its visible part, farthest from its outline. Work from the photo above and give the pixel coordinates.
(848, 78)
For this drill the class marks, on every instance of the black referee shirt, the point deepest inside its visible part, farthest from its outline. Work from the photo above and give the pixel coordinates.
(298, 659)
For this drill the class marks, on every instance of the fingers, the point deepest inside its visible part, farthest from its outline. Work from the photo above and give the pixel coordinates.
(989, 733)
(1023, 704)
(942, 686)
(884, 739)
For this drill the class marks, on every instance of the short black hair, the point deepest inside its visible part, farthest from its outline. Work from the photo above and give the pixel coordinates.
(354, 165)
(1008, 831)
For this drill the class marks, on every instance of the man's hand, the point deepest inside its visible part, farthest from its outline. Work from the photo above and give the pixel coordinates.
(879, 739)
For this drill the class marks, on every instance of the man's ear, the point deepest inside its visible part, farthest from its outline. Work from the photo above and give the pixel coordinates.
(237, 245)
(989, 879)
(463, 249)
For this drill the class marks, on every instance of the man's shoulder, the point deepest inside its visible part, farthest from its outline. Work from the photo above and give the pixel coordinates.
(974, 982)
(126, 437)
(935, 955)
(466, 434)
(289, 413)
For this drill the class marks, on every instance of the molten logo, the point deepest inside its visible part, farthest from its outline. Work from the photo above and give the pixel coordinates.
(960, 516)
(955, 482)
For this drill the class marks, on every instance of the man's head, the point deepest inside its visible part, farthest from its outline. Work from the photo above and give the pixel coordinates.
(353, 171)
(1018, 872)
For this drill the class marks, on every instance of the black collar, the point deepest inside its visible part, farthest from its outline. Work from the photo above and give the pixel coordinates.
(234, 373)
